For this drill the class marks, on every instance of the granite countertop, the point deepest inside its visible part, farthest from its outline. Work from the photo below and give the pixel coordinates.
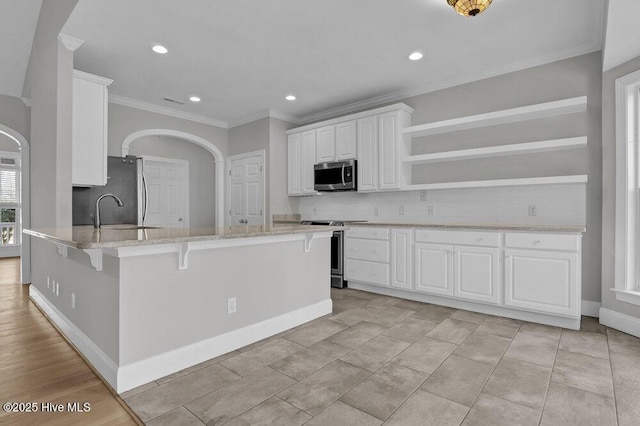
(488, 227)
(111, 236)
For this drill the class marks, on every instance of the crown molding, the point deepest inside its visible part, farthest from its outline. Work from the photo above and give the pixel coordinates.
(468, 78)
(91, 77)
(265, 114)
(70, 43)
(132, 103)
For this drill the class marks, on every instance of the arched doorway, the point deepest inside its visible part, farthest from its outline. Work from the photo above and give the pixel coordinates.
(25, 210)
(211, 148)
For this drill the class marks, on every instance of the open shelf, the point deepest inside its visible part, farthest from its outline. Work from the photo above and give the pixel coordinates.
(530, 112)
(496, 151)
(499, 182)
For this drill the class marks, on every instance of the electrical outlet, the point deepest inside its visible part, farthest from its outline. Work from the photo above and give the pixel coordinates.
(73, 300)
(231, 305)
(401, 210)
(53, 286)
(376, 211)
(429, 210)
(533, 211)
(48, 282)
(423, 196)
(57, 288)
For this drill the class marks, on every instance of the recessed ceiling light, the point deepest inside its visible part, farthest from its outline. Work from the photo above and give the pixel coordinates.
(290, 98)
(158, 48)
(194, 99)
(416, 56)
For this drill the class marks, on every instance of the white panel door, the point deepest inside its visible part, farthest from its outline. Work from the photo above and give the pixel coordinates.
(388, 150)
(346, 140)
(325, 144)
(433, 269)
(308, 161)
(401, 259)
(543, 281)
(367, 149)
(294, 152)
(246, 190)
(168, 192)
(477, 274)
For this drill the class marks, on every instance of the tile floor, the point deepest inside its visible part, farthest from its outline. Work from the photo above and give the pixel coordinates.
(382, 360)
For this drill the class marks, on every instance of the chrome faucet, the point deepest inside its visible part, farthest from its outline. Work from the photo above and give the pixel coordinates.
(96, 216)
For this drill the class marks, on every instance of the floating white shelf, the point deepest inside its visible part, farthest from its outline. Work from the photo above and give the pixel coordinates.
(530, 112)
(499, 182)
(496, 151)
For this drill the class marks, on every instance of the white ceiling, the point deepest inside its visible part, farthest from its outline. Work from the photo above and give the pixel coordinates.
(243, 56)
(18, 20)
(622, 40)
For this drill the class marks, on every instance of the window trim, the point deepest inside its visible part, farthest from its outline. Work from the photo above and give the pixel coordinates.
(627, 212)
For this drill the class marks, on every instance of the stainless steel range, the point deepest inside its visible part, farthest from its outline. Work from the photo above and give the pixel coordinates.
(337, 249)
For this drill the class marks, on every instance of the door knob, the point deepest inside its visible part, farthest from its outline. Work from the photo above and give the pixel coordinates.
(180, 219)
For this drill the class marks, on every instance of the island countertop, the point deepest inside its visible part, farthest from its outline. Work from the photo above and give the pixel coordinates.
(110, 236)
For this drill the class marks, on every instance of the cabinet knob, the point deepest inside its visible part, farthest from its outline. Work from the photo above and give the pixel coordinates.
(480, 239)
(537, 242)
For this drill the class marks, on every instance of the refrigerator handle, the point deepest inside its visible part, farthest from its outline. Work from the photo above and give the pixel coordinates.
(146, 196)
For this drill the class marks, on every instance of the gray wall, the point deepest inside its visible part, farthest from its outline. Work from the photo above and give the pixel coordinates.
(609, 187)
(15, 114)
(8, 144)
(201, 173)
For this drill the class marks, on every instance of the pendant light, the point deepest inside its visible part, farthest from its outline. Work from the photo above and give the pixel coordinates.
(469, 7)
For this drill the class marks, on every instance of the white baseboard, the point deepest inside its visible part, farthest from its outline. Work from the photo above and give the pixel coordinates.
(100, 361)
(622, 322)
(144, 371)
(591, 309)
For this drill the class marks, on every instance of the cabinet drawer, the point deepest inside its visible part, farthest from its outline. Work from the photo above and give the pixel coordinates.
(368, 232)
(472, 238)
(366, 272)
(543, 241)
(373, 250)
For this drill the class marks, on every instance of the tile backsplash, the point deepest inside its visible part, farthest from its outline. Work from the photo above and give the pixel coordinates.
(558, 204)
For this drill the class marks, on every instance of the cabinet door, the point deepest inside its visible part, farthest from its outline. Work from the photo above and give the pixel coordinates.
(388, 150)
(325, 144)
(346, 140)
(543, 281)
(401, 259)
(293, 164)
(89, 132)
(367, 148)
(433, 269)
(477, 274)
(308, 160)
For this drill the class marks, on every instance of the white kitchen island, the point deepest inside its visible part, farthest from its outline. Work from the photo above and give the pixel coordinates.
(142, 304)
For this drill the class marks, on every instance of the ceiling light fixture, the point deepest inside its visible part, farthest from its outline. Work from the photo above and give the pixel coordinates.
(469, 7)
(415, 56)
(290, 98)
(194, 99)
(158, 48)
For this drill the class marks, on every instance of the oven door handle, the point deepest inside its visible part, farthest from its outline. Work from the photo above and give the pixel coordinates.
(342, 175)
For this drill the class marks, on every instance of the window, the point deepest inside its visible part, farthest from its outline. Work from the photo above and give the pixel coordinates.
(9, 199)
(627, 216)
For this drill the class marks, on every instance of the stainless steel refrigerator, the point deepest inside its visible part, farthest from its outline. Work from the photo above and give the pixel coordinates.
(125, 179)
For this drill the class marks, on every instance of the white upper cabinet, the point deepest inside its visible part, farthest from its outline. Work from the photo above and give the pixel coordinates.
(392, 148)
(89, 130)
(308, 159)
(294, 177)
(325, 144)
(367, 137)
(346, 140)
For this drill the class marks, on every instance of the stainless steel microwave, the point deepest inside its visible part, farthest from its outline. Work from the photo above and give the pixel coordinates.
(336, 176)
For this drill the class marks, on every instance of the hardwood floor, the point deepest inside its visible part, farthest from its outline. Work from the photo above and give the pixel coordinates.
(38, 365)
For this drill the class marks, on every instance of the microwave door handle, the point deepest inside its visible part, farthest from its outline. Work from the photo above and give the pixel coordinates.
(342, 175)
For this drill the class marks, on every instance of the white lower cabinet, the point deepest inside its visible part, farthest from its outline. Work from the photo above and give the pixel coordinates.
(543, 281)
(541, 272)
(434, 269)
(476, 274)
(401, 258)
